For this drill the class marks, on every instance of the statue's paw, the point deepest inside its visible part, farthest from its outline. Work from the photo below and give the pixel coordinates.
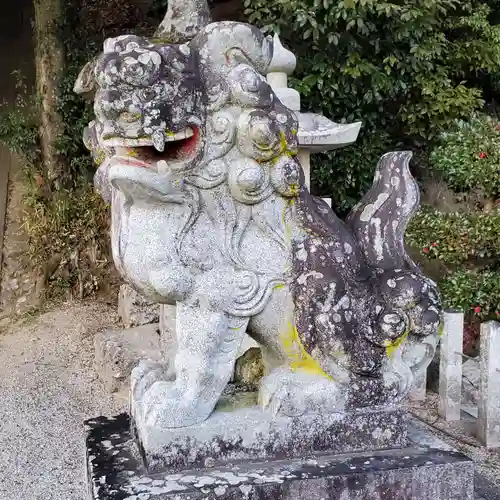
(294, 393)
(284, 401)
(164, 406)
(143, 376)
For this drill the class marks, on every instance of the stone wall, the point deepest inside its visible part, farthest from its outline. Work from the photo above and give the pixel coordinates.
(18, 292)
(17, 285)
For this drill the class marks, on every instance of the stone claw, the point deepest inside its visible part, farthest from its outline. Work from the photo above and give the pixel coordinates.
(144, 375)
(165, 407)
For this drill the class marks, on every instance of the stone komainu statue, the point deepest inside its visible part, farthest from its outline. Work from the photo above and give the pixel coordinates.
(198, 158)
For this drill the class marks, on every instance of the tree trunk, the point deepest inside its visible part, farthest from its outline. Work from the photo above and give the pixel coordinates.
(49, 58)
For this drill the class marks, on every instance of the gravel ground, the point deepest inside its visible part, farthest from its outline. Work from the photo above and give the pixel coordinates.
(48, 387)
(460, 435)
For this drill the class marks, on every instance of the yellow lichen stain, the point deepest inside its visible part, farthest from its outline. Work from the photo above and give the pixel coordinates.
(299, 358)
(132, 153)
(264, 147)
(284, 146)
(100, 157)
(279, 286)
(130, 117)
(162, 40)
(440, 329)
(392, 347)
(294, 189)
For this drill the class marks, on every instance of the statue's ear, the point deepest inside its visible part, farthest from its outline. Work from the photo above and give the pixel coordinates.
(85, 83)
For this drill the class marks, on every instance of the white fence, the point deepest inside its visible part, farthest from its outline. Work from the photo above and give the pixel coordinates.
(450, 377)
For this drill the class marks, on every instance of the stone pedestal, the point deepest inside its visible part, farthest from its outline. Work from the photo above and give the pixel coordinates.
(240, 430)
(422, 469)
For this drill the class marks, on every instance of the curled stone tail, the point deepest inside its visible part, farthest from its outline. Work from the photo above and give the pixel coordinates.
(379, 221)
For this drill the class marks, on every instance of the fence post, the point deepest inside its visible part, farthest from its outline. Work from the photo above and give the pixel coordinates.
(450, 366)
(488, 423)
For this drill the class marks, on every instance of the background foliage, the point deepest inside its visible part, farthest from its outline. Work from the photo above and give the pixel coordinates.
(414, 72)
(468, 156)
(406, 69)
(463, 247)
(66, 222)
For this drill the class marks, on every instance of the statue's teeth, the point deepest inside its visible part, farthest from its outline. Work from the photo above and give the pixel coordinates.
(159, 141)
(178, 136)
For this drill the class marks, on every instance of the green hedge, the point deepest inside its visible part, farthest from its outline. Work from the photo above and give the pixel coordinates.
(456, 238)
(467, 248)
(477, 293)
(468, 156)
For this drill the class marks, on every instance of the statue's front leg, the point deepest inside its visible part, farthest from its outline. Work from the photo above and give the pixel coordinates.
(208, 344)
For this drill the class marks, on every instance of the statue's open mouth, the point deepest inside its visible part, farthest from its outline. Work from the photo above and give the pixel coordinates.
(173, 150)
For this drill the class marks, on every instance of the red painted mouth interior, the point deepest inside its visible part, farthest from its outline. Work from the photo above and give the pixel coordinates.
(180, 150)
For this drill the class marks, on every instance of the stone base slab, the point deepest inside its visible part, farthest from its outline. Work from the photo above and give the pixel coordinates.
(418, 472)
(240, 430)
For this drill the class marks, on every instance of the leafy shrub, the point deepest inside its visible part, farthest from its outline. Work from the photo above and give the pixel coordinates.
(19, 123)
(352, 169)
(466, 246)
(456, 238)
(71, 226)
(406, 69)
(477, 293)
(468, 156)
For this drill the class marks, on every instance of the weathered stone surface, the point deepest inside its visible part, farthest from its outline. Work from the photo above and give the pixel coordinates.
(450, 366)
(167, 329)
(489, 403)
(471, 379)
(117, 352)
(134, 309)
(421, 471)
(240, 430)
(211, 214)
(248, 368)
(184, 19)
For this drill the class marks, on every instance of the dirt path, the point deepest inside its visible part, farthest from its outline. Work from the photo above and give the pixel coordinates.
(47, 388)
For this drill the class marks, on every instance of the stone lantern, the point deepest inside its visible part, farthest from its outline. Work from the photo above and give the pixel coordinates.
(317, 134)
